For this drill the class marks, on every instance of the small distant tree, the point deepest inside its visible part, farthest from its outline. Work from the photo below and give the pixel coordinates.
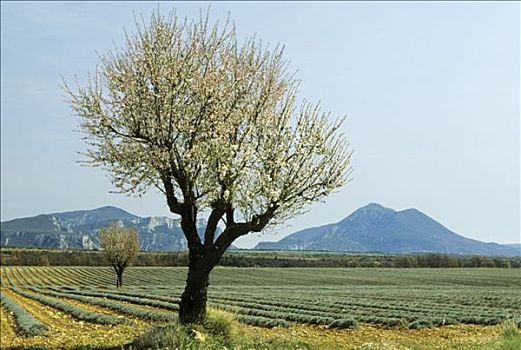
(120, 246)
(214, 125)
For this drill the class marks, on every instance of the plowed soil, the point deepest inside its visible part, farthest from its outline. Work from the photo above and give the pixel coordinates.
(66, 331)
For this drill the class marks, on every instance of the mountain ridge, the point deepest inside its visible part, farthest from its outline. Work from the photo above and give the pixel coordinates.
(375, 228)
(79, 229)
(372, 228)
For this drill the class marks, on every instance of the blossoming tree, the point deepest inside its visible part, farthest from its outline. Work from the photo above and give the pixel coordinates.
(214, 125)
(120, 247)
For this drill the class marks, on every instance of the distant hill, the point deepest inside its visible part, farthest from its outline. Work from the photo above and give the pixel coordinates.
(374, 228)
(80, 230)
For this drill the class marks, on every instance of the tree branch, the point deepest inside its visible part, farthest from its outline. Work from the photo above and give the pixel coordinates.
(230, 221)
(173, 203)
(211, 226)
(231, 233)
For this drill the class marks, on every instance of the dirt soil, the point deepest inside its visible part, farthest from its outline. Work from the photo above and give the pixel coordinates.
(64, 330)
(370, 337)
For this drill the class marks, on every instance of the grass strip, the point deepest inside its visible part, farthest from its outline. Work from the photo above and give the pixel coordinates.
(261, 321)
(142, 300)
(72, 310)
(25, 322)
(119, 307)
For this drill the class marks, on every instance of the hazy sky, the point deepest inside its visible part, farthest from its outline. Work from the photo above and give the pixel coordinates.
(431, 91)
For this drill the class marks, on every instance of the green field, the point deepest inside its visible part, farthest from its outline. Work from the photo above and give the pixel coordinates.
(400, 299)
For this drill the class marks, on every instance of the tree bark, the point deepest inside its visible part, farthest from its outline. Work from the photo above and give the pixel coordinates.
(203, 258)
(192, 307)
(120, 278)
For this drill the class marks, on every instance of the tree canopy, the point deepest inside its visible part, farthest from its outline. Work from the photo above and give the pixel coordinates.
(120, 247)
(212, 123)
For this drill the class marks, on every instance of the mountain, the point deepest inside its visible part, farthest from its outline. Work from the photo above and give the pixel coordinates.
(80, 230)
(374, 228)
(514, 245)
(100, 215)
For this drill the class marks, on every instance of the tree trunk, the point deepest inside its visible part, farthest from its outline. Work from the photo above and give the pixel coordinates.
(192, 307)
(120, 278)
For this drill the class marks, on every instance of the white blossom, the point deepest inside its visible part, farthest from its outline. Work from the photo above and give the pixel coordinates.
(187, 109)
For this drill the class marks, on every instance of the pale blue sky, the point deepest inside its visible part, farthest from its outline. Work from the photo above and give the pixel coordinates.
(431, 91)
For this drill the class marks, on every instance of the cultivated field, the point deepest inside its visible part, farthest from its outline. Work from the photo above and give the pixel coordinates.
(437, 308)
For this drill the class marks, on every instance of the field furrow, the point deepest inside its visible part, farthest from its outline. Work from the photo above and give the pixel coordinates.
(7, 328)
(65, 330)
(139, 311)
(283, 298)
